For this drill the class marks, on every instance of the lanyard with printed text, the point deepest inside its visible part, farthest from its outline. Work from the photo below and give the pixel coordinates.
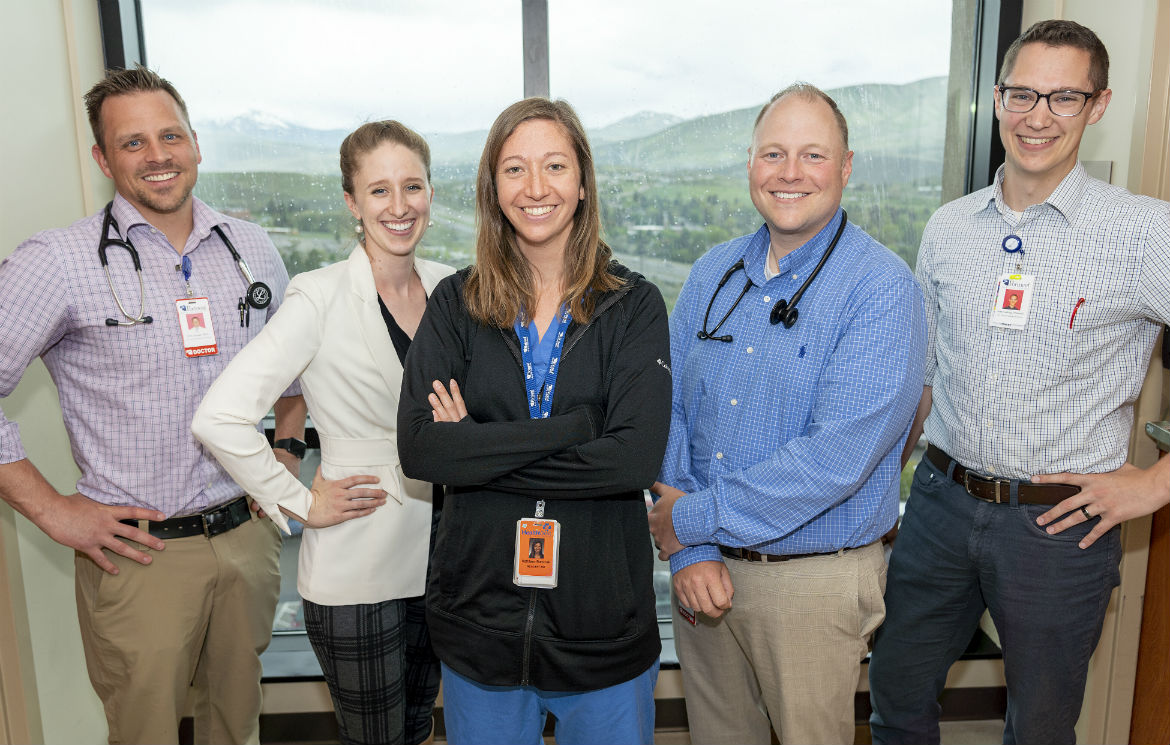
(540, 405)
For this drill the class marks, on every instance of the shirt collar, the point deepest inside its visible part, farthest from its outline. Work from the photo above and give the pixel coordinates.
(1065, 198)
(204, 218)
(799, 262)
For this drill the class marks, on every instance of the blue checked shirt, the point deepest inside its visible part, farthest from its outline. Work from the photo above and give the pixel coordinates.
(788, 441)
(1058, 394)
(128, 393)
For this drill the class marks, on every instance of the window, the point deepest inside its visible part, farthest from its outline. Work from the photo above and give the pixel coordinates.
(668, 90)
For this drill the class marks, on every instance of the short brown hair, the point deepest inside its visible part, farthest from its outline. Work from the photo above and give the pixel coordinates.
(1056, 33)
(120, 82)
(808, 92)
(372, 134)
(500, 284)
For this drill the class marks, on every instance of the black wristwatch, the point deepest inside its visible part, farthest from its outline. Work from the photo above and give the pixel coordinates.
(293, 445)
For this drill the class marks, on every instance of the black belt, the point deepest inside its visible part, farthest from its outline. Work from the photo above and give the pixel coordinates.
(744, 555)
(999, 490)
(209, 523)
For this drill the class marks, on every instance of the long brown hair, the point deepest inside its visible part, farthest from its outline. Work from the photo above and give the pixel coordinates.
(500, 284)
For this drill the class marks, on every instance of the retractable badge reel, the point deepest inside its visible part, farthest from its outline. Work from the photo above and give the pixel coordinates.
(1014, 291)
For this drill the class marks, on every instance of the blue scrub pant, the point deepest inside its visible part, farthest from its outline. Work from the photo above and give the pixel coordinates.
(477, 714)
(956, 555)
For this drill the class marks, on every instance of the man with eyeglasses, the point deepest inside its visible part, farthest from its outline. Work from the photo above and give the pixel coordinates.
(1015, 507)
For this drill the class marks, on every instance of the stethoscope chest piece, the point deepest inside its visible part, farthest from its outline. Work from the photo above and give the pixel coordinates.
(259, 296)
(783, 313)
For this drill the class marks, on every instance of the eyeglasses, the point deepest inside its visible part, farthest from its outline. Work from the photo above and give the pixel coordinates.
(1060, 103)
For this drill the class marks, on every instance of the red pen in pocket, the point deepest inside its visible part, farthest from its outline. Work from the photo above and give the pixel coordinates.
(1080, 302)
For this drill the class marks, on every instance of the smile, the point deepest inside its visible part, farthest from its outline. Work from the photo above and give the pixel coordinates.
(538, 211)
(789, 194)
(399, 227)
(162, 176)
(1036, 140)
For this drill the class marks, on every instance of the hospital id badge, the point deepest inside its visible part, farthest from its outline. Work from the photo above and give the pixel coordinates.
(1013, 300)
(538, 549)
(195, 326)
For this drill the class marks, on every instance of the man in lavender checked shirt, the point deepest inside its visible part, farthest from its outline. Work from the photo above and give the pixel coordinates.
(176, 580)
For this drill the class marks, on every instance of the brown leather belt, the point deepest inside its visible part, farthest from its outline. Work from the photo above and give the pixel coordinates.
(744, 555)
(210, 523)
(999, 490)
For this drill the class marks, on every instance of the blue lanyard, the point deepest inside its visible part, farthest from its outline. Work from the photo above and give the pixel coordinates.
(540, 406)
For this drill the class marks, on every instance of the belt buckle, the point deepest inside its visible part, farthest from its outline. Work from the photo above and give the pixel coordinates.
(999, 483)
(210, 519)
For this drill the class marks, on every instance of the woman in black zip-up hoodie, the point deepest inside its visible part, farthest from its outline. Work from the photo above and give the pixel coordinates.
(587, 649)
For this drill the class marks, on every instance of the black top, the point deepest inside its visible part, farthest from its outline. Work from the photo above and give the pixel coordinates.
(401, 345)
(590, 461)
(397, 335)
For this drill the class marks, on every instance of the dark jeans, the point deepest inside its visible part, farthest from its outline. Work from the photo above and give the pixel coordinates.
(956, 555)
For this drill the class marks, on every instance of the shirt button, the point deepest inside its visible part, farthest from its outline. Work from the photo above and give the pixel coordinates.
(987, 423)
(767, 299)
(795, 277)
(749, 350)
(734, 402)
(718, 456)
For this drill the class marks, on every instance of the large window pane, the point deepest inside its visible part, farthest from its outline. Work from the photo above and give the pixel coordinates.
(274, 86)
(668, 89)
(671, 88)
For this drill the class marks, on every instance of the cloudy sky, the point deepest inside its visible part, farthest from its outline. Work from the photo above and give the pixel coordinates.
(451, 66)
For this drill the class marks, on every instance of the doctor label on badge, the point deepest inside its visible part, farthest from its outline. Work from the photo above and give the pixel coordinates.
(1013, 300)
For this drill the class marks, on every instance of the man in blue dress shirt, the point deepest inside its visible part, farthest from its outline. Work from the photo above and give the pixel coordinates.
(782, 468)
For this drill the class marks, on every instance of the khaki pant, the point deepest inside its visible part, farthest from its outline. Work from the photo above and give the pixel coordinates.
(787, 655)
(199, 615)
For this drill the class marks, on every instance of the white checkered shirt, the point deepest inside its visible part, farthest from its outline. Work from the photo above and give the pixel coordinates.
(1047, 398)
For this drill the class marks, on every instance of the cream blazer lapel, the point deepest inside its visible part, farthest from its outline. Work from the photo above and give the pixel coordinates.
(364, 299)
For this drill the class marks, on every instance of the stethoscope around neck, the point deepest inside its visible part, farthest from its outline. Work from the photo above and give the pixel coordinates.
(784, 311)
(258, 295)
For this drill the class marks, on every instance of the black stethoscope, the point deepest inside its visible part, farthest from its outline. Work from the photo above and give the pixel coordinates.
(258, 296)
(785, 310)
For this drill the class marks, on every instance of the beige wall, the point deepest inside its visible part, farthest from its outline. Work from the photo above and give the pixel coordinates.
(1127, 29)
(51, 53)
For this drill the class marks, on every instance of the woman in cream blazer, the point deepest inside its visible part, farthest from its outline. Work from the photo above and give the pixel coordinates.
(364, 553)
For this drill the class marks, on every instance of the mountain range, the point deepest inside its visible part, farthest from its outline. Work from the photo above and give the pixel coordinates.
(896, 132)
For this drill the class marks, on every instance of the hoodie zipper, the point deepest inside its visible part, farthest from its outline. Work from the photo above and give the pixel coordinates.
(528, 624)
(530, 619)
